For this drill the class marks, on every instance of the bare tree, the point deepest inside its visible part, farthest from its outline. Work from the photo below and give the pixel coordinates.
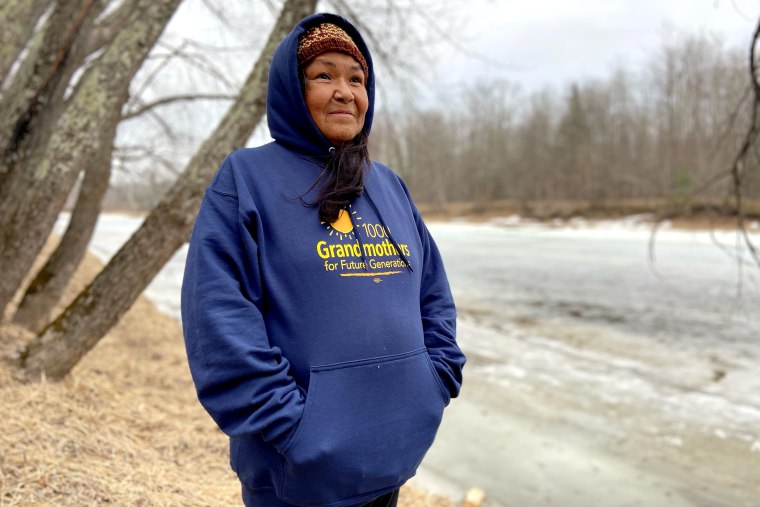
(532, 158)
(49, 283)
(27, 217)
(32, 97)
(69, 337)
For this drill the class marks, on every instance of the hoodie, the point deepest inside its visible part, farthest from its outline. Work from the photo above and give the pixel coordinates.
(325, 351)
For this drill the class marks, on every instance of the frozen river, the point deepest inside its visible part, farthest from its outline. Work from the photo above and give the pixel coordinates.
(597, 377)
(594, 377)
(602, 275)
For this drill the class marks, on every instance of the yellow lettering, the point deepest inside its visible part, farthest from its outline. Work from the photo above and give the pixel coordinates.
(322, 251)
(369, 249)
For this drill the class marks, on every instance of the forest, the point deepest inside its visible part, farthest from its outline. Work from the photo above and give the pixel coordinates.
(659, 137)
(661, 134)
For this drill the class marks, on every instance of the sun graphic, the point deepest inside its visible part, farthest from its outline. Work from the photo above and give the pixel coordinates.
(343, 226)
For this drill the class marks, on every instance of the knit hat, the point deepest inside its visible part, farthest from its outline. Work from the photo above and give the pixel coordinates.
(328, 37)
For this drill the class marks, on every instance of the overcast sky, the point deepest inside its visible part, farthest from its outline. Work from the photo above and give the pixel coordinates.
(546, 42)
(531, 43)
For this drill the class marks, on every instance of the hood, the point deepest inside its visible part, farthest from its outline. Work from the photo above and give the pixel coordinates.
(289, 120)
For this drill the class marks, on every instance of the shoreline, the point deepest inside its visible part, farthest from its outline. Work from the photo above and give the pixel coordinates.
(562, 214)
(537, 418)
(124, 428)
(702, 213)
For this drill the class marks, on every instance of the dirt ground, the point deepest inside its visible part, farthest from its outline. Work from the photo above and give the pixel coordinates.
(125, 428)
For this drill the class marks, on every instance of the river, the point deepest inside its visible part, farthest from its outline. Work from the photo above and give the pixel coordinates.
(595, 375)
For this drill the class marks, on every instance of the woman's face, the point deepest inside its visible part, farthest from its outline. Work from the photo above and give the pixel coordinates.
(336, 95)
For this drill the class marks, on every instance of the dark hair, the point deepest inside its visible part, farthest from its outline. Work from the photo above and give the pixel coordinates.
(342, 178)
(343, 175)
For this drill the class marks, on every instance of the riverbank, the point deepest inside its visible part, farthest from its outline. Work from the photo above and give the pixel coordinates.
(702, 214)
(699, 215)
(593, 377)
(124, 429)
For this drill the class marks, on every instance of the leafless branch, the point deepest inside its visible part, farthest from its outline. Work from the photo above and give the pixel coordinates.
(738, 166)
(387, 50)
(731, 121)
(194, 59)
(739, 11)
(141, 153)
(165, 61)
(378, 48)
(735, 173)
(652, 257)
(453, 41)
(167, 129)
(217, 10)
(219, 49)
(173, 99)
(272, 6)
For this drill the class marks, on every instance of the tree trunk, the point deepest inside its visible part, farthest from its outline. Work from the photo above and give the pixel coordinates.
(27, 215)
(48, 286)
(99, 306)
(17, 19)
(41, 78)
(46, 289)
(26, 91)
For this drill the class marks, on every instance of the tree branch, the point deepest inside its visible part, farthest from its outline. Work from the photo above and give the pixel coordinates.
(738, 167)
(173, 99)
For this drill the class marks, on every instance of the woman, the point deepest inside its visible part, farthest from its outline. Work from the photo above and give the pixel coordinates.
(319, 325)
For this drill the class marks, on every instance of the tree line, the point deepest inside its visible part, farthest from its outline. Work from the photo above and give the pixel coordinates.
(666, 131)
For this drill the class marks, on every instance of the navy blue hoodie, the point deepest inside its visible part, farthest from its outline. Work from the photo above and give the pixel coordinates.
(326, 352)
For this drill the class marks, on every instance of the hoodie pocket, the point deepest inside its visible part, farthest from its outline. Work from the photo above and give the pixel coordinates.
(365, 428)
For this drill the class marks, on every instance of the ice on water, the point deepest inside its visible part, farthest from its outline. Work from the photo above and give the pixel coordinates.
(571, 327)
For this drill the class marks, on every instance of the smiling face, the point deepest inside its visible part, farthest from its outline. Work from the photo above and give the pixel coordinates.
(336, 95)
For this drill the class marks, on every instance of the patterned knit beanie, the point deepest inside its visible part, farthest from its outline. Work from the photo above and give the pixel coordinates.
(328, 37)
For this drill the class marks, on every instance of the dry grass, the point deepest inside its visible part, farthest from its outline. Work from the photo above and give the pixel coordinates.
(125, 428)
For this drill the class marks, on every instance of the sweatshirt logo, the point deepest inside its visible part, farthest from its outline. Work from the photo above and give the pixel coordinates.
(373, 256)
(343, 226)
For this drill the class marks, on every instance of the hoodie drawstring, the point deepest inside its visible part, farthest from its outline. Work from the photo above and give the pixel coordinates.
(359, 239)
(386, 229)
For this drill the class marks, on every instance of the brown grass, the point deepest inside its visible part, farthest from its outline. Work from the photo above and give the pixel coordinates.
(125, 428)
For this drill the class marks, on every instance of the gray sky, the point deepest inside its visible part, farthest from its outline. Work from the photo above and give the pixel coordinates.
(530, 43)
(533, 43)
(553, 42)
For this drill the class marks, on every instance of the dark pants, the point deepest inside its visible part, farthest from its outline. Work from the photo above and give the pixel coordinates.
(387, 500)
